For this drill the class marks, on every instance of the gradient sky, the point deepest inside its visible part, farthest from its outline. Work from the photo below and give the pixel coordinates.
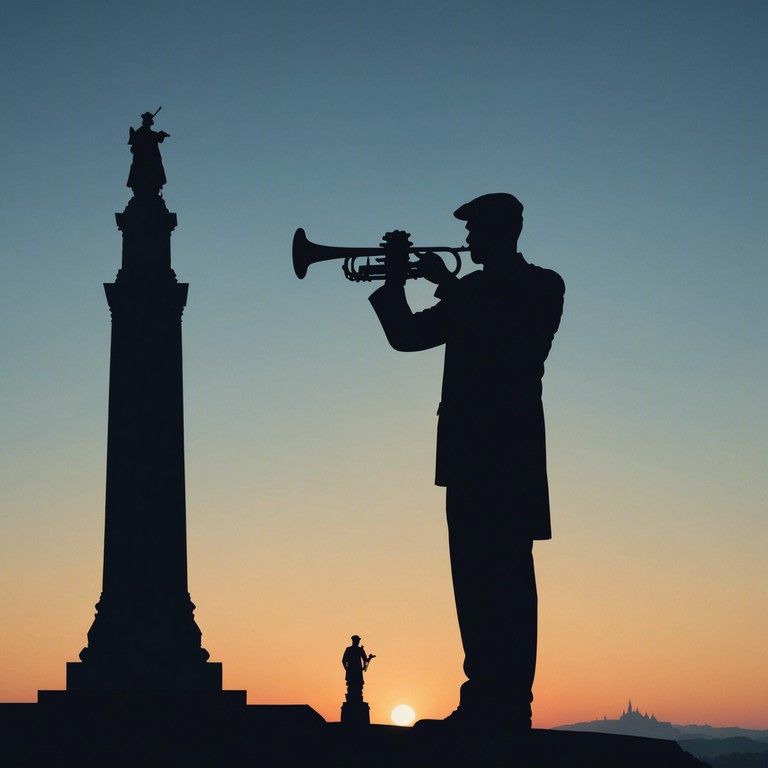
(634, 133)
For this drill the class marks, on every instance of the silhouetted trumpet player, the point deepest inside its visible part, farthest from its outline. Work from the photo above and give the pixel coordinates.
(306, 252)
(497, 325)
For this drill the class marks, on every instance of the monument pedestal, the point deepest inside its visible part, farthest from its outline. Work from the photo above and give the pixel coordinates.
(142, 676)
(138, 702)
(144, 691)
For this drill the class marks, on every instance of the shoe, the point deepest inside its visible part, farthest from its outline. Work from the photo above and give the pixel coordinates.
(482, 724)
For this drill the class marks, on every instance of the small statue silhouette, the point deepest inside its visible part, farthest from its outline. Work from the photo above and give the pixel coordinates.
(355, 662)
(147, 175)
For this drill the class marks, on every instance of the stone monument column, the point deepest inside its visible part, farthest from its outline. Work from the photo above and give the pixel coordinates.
(144, 635)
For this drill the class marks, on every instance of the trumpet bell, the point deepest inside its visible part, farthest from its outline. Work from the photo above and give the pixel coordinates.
(305, 252)
(301, 261)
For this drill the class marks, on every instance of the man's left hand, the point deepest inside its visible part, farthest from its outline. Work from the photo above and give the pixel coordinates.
(396, 246)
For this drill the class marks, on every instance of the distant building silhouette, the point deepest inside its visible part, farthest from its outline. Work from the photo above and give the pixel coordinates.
(634, 718)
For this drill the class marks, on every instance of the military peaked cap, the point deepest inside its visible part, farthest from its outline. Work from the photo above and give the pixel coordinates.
(499, 205)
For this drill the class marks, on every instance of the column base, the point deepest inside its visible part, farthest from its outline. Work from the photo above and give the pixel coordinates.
(92, 676)
(109, 703)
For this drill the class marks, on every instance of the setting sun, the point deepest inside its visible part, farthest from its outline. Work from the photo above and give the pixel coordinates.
(402, 714)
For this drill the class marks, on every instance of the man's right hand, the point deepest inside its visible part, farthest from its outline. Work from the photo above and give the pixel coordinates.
(432, 267)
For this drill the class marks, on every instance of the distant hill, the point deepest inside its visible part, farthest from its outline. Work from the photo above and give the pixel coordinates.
(709, 749)
(710, 732)
(719, 747)
(740, 761)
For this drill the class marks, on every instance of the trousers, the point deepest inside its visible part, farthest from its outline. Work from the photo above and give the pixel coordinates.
(494, 585)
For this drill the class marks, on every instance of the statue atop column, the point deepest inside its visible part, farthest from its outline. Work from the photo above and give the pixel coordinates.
(147, 175)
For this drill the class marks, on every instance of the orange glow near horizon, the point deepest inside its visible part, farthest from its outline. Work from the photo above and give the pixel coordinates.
(280, 634)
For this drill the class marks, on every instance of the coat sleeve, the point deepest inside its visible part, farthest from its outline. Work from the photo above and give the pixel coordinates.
(408, 331)
(556, 291)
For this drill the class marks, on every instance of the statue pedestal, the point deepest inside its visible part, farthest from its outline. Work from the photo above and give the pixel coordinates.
(355, 713)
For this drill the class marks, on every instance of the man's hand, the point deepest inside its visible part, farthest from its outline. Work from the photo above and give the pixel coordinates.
(396, 245)
(432, 267)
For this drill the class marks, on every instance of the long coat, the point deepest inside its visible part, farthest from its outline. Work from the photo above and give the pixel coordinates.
(497, 334)
(147, 172)
(354, 660)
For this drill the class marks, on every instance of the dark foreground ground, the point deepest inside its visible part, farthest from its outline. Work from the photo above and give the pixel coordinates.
(147, 731)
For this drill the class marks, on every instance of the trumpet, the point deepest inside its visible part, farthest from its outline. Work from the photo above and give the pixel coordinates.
(306, 252)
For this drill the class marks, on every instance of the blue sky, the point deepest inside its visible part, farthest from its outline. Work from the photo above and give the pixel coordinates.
(634, 135)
